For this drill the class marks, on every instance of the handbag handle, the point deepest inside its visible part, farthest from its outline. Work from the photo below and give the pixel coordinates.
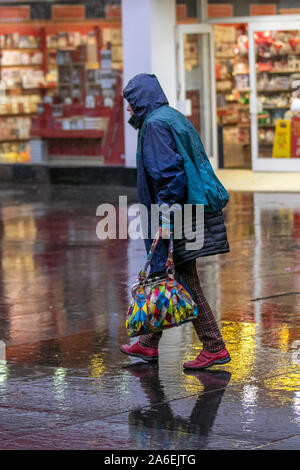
(170, 269)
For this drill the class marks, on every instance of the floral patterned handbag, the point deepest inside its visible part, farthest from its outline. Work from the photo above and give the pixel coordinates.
(158, 302)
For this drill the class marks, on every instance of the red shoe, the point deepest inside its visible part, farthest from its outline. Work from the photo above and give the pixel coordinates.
(137, 350)
(206, 359)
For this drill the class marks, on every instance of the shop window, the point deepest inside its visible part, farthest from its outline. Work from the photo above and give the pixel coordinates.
(61, 89)
(233, 93)
(278, 93)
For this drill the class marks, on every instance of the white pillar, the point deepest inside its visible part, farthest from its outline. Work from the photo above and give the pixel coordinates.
(148, 28)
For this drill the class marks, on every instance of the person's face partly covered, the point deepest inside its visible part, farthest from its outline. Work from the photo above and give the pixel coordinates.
(129, 109)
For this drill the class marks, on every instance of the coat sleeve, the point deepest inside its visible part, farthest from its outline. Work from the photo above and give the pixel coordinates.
(164, 165)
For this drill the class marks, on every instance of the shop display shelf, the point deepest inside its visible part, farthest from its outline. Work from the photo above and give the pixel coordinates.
(73, 133)
(21, 49)
(276, 107)
(20, 66)
(19, 88)
(276, 56)
(282, 72)
(55, 49)
(275, 90)
(48, 85)
(226, 57)
(23, 139)
(37, 88)
(32, 113)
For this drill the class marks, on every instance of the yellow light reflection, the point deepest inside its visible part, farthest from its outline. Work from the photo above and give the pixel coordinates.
(21, 264)
(241, 344)
(194, 347)
(15, 229)
(23, 228)
(284, 336)
(96, 366)
(192, 384)
(289, 381)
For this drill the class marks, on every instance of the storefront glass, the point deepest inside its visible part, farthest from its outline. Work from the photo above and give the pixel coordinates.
(277, 89)
(60, 84)
(61, 67)
(233, 92)
(198, 90)
(270, 81)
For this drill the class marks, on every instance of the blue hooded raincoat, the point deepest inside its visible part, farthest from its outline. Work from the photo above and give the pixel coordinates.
(172, 167)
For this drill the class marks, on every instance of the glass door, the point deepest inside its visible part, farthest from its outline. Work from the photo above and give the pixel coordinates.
(196, 95)
(274, 59)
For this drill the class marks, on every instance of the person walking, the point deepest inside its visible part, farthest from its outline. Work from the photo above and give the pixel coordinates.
(173, 168)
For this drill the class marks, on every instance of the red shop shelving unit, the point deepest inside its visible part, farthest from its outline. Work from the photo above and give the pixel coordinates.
(107, 141)
(102, 141)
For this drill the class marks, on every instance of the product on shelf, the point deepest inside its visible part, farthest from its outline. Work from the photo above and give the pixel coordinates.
(14, 152)
(20, 104)
(19, 58)
(112, 42)
(22, 78)
(45, 67)
(224, 50)
(14, 128)
(18, 41)
(264, 118)
(232, 73)
(191, 51)
(242, 82)
(277, 66)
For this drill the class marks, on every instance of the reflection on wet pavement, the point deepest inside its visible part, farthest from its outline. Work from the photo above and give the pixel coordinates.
(63, 299)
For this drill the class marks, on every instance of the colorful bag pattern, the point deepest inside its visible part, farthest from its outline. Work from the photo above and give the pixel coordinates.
(158, 304)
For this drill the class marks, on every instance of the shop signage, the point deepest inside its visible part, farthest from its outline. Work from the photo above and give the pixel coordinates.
(67, 12)
(181, 12)
(113, 12)
(257, 10)
(219, 11)
(15, 13)
(295, 137)
(289, 11)
(282, 141)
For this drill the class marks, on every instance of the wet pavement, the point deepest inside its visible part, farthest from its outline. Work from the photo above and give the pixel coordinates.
(63, 298)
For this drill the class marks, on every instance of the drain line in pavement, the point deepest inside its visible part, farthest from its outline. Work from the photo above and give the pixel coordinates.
(277, 295)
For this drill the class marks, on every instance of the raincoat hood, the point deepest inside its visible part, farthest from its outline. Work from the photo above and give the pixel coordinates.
(144, 94)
